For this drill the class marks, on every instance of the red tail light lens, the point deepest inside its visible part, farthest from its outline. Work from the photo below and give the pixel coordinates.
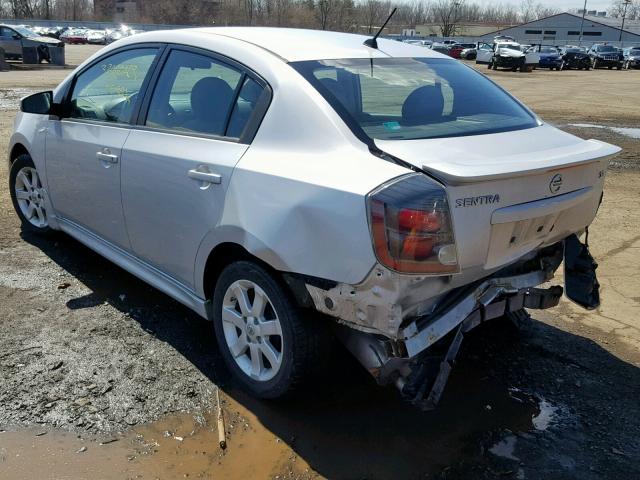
(411, 226)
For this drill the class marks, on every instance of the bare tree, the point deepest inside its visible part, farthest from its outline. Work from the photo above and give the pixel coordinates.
(372, 11)
(447, 15)
(617, 9)
(527, 10)
(324, 11)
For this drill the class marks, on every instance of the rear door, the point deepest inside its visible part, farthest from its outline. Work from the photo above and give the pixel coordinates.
(197, 123)
(84, 149)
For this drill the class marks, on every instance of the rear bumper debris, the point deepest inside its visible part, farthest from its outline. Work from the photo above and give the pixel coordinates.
(420, 364)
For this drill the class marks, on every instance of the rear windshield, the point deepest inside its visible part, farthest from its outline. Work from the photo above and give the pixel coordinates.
(414, 98)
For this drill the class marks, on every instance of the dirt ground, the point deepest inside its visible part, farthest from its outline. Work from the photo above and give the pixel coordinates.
(104, 377)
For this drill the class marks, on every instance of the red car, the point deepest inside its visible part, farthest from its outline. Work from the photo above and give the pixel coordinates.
(74, 36)
(455, 51)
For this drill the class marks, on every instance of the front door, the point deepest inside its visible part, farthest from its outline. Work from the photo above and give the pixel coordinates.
(84, 150)
(10, 41)
(485, 53)
(178, 164)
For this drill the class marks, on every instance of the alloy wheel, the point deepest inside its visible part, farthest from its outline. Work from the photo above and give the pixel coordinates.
(30, 197)
(252, 330)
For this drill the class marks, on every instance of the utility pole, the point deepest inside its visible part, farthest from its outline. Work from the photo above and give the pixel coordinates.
(584, 12)
(624, 16)
(456, 5)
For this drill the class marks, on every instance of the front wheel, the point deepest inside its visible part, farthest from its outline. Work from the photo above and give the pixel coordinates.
(27, 195)
(264, 340)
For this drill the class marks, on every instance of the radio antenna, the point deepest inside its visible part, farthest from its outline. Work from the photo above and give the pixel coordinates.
(373, 42)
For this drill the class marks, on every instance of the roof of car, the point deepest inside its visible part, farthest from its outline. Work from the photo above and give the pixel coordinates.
(293, 44)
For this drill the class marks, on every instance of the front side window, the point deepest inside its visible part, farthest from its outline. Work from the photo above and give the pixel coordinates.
(108, 90)
(414, 98)
(195, 93)
(7, 33)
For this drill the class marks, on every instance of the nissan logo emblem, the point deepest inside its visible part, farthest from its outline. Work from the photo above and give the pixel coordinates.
(556, 183)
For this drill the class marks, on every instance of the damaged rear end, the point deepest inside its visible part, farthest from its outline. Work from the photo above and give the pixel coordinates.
(492, 202)
(460, 243)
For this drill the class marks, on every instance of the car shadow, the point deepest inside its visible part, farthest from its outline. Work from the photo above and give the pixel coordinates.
(344, 425)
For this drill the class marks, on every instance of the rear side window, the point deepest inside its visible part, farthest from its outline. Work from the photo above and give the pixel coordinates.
(108, 90)
(244, 107)
(198, 94)
(414, 98)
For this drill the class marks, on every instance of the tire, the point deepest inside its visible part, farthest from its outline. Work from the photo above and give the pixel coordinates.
(297, 343)
(27, 196)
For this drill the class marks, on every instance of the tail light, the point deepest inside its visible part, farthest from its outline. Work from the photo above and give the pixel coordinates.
(411, 226)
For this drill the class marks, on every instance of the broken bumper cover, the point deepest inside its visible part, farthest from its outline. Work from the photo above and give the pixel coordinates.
(491, 299)
(419, 367)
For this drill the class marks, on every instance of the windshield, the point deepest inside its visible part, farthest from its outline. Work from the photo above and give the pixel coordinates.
(510, 46)
(606, 48)
(414, 98)
(25, 32)
(548, 50)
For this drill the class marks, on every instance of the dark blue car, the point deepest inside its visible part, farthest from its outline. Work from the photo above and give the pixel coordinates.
(550, 57)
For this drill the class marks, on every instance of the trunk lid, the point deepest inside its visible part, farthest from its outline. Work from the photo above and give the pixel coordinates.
(511, 193)
(458, 160)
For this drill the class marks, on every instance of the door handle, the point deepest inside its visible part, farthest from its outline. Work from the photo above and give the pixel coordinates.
(107, 157)
(206, 177)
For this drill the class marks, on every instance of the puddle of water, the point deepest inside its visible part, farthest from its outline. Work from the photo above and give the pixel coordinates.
(353, 429)
(545, 417)
(626, 131)
(10, 99)
(180, 446)
(505, 448)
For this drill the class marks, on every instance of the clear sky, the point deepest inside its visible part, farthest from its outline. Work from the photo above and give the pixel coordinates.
(561, 4)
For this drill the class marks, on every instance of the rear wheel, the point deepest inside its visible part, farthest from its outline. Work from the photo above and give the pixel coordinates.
(27, 195)
(264, 340)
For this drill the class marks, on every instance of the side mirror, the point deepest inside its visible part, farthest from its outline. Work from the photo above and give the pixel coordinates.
(16, 36)
(39, 103)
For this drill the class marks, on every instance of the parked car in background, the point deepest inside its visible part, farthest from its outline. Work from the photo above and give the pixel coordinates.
(469, 51)
(550, 57)
(14, 38)
(455, 51)
(291, 196)
(631, 57)
(74, 36)
(97, 37)
(575, 57)
(422, 43)
(508, 54)
(440, 48)
(606, 56)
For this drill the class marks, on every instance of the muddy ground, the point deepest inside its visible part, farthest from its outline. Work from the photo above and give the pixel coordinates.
(102, 376)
